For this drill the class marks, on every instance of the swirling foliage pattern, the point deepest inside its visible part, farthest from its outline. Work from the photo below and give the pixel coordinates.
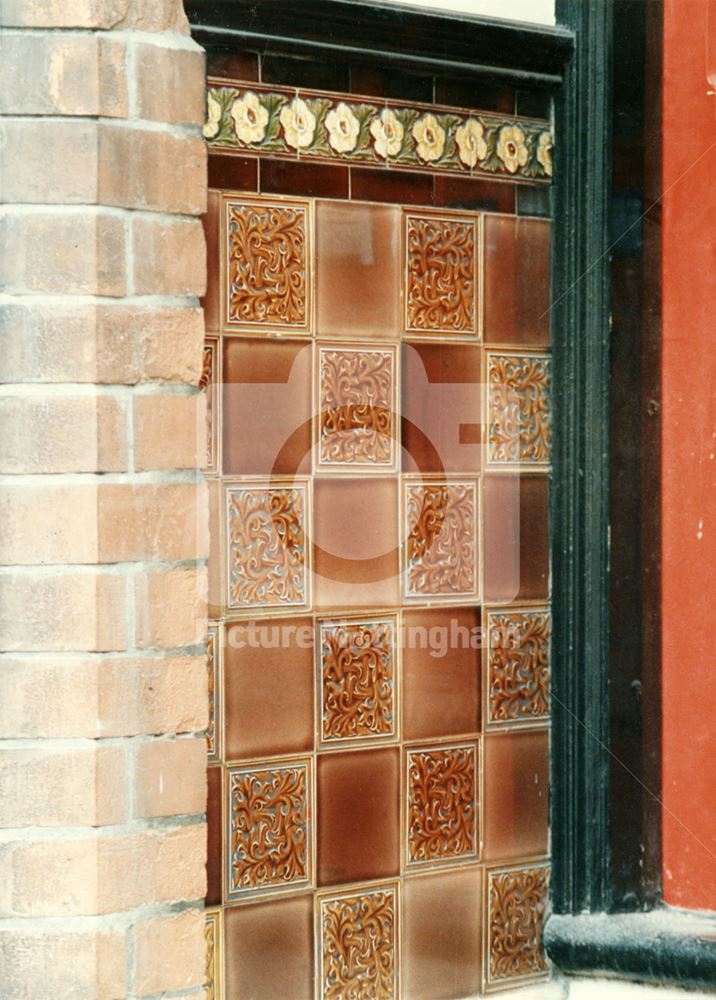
(517, 901)
(520, 417)
(519, 666)
(441, 545)
(357, 419)
(357, 680)
(358, 944)
(440, 293)
(442, 807)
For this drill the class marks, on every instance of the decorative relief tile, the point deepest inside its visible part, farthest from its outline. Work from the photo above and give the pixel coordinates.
(516, 901)
(213, 729)
(441, 275)
(269, 837)
(358, 944)
(208, 382)
(357, 403)
(442, 820)
(357, 680)
(214, 956)
(284, 122)
(266, 546)
(519, 416)
(267, 266)
(441, 547)
(518, 666)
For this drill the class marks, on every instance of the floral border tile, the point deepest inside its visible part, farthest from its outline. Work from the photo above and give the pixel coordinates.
(281, 121)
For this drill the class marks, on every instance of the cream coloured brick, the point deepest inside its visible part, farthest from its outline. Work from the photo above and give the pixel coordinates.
(48, 524)
(169, 431)
(170, 84)
(170, 777)
(159, 15)
(170, 608)
(170, 953)
(169, 257)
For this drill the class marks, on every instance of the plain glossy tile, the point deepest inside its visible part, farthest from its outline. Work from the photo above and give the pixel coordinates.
(357, 270)
(516, 538)
(213, 836)
(516, 790)
(441, 672)
(358, 812)
(442, 933)
(318, 180)
(463, 93)
(356, 555)
(313, 73)
(233, 173)
(215, 600)
(398, 187)
(378, 81)
(442, 408)
(267, 406)
(269, 950)
(475, 193)
(211, 302)
(268, 688)
(517, 281)
(233, 65)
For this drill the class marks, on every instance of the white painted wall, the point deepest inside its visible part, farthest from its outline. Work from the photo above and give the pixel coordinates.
(537, 11)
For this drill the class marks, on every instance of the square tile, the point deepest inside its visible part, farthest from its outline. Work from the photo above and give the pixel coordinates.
(266, 265)
(519, 415)
(269, 950)
(515, 795)
(213, 937)
(358, 944)
(356, 419)
(266, 546)
(357, 270)
(441, 274)
(517, 280)
(517, 667)
(442, 409)
(358, 821)
(442, 804)
(213, 669)
(515, 909)
(357, 670)
(209, 382)
(442, 935)
(211, 302)
(268, 828)
(214, 834)
(441, 653)
(441, 532)
(356, 542)
(266, 406)
(268, 680)
(516, 538)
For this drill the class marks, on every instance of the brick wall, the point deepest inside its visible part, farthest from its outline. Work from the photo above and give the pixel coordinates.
(103, 515)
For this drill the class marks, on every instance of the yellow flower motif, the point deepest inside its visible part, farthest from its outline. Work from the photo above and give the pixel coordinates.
(429, 137)
(387, 133)
(250, 118)
(299, 123)
(511, 147)
(213, 116)
(544, 152)
(343, 128)
(470, 142)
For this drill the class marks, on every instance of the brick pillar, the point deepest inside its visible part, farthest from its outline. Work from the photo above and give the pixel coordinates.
(103, 514)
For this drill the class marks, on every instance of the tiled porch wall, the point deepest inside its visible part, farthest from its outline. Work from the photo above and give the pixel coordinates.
(104, 516)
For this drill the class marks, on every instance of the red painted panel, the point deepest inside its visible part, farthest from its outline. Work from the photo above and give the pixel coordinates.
(689, 459)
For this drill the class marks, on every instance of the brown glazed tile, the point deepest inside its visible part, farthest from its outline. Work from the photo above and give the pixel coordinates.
(464, 94)
(214, 954)
(514, 951)
(441, 539)
(401, 187)
(214, 729)
(233, 173)
(269, 950)
(356, 555)
(357, 270)
(317, 180)
(213, 836)
(233, 65)
(359, 944)
(441, 693)
(442, 393)
(313, 73)
(475, 193)
(517, 281)
(519, 411)
(441, 252)
(376, 81)
(516, 538)
(215, 596)
(517, 678)
(358, 816)
(209, 382)
(442, 930)
(268, 688)
(443, 804)
(211, 302)
(267, 406)
(516, 795)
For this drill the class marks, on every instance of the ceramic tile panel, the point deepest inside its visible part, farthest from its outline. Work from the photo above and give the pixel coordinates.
(266, 265)
(442, 823)
(357, 668)
(358, 944)
(267, 550)
(441, 540)
(516, 538)
(356, 408)
(519, 414)
(515, 794)
(214, 835)
(516, 900)
(517, 667)
(213, 936)
(269, 828)
(442, 276)
(517, 296)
